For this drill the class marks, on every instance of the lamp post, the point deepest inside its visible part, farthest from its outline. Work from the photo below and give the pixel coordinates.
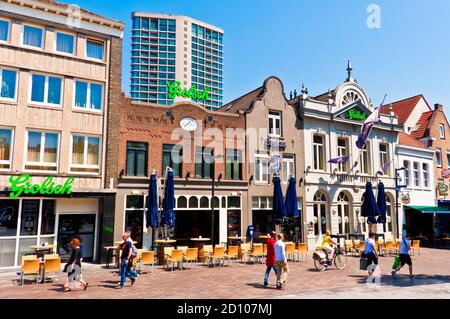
(213, 177)
(397, 190)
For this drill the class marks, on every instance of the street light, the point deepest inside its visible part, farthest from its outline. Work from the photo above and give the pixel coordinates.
(397, 190)
(213, 177)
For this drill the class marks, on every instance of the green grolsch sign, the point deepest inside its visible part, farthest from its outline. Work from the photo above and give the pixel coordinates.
(175, 89)
(356, 115)
(20, 185)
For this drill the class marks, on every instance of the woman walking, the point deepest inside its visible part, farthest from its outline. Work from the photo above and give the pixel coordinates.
(73, 267)
(370, 253)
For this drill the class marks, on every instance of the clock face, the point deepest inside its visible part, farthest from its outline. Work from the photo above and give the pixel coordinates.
(188, 124)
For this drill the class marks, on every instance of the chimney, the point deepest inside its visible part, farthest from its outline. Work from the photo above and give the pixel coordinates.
(439, 107)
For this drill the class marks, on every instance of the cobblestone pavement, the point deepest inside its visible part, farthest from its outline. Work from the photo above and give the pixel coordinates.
(245, 281)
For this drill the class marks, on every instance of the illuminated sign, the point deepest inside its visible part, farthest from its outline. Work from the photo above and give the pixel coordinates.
(356, 115)
(21, 185)
(175, 89)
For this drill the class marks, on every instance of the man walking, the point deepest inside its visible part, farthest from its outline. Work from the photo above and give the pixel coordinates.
(270, 257)
(126, 262)
(281, 261)
(405, 258)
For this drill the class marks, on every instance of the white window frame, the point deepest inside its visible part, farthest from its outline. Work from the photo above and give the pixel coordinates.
(16, 84)
(103, 42)
(287, 160)
(426, 175)
(8, 35)
(46, 87)
(258, 179)
(407, 173)
(88, 96)
(85, 155)
(316, 147)
(23, 32)
(438, 150)
(366, 150)
(272, 121)
(41, 152)
(9, 161)
(416, 181)
(74, 42)
(442, 131)
(342, 151)
(387, 156)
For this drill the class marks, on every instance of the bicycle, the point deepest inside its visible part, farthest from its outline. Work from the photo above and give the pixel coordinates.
(322, 262)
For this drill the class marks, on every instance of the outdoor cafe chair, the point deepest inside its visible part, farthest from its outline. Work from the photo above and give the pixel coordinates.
(232, 253)
(415, 246)
(218, 254)
(52, 264)
(175, 258)
(302, 249)
(264, 250)
(290, 251)
(30, 266)
(361, 247)
(191, 255)
(257, 252)
(389, 247)
(245, 251)
(348, 246)
(356, 243)
(183, 248)
(148, 259)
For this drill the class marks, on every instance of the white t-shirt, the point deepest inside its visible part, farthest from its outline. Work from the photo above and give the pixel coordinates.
(280, 251)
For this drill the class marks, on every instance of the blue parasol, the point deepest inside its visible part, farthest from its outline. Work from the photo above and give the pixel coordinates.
(168, 215)
(152, 203)
(291, 203)
(381, 203)
(369, 206)
(279, 210)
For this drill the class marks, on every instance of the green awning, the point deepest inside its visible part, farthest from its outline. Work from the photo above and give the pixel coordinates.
(431, 209)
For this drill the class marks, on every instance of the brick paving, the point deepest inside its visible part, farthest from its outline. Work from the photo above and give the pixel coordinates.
(243, 281)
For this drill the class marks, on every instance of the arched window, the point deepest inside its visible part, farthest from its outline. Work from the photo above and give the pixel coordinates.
(388, 225)
(204, 202)
(344, 213)
(216, 202)
(182, 202)
(320, 221)
(193, 202)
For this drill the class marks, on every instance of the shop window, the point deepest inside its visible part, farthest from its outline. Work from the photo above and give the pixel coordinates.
(134, 217)
(135, 201)
(9, 214)
(29, 218)
(234, 222)
(182, 202)
(204, 202)
(7, 252)
(48, 217)
(193, 202)
(234, 202)
(216, 202)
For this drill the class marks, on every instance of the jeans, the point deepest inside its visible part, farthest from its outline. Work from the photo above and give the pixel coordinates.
(125, 272)
(268, 269)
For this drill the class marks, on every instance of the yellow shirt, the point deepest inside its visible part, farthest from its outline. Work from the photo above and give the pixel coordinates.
(326, 241)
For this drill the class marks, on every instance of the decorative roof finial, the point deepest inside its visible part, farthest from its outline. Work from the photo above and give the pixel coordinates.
(349, 72)
(304, 91)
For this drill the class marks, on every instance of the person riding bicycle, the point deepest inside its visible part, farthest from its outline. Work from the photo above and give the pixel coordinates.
(327, 245)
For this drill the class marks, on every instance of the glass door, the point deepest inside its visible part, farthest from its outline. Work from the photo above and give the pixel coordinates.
(71, 225)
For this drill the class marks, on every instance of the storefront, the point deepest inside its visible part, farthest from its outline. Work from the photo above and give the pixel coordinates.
(428, 223)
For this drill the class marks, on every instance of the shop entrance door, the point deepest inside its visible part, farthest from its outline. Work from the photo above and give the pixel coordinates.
(71, 225)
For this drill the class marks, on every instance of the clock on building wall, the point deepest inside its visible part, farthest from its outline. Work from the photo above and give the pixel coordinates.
(188, 124)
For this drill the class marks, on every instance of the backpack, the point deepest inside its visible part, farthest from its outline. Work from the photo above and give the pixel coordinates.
(134, 251)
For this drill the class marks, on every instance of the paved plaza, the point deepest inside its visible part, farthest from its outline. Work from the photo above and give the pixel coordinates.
(432, 270)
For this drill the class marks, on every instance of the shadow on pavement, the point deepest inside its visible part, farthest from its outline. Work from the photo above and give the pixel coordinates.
(259, 286)
(404, 280)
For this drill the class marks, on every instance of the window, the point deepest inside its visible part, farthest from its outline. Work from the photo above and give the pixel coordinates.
(441, 131)
(407, 172)
(261, 168)
(182, 202)
(8, 80)
(136, 159)
(426, 175)
(134, 217)
(94, 49)
(274, 123)
(172, 157)
(204, 161)
(384, 157)
(233, 165)
(32, 36)
(319, 152)
(42, 151)
(4, 30)
(88, 95)
(65, 42)
(344, 219)
(365, 159)
(85, 154)
(342, 151)
(319, 222)
(45, 89)
(5, 149)
(416, 174)
(438, 157)
(288, 167)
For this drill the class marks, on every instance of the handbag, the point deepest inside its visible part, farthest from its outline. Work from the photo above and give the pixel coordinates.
(363, 263)
(396, 262)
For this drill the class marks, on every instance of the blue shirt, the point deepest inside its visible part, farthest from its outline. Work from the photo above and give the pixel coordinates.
(404, 244)
(369, 246)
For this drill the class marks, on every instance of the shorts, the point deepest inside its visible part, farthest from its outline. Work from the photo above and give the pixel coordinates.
(405, 259)
(371, 258)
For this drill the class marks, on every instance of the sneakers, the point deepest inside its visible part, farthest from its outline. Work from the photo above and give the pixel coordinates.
(266, 283)
(119, 287)
(394, 275)
(133, 281)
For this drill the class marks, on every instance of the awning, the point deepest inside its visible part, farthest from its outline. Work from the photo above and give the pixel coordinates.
(431, 209)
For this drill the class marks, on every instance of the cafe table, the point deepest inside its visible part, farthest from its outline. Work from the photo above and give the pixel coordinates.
(199, 242)
(41, 250)
(160, 251)
(238, 239)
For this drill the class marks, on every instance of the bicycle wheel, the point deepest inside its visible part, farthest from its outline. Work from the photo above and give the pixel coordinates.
(340, 261)
(320, 266)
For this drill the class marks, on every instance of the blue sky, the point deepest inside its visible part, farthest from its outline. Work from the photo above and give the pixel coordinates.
(310, 41)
